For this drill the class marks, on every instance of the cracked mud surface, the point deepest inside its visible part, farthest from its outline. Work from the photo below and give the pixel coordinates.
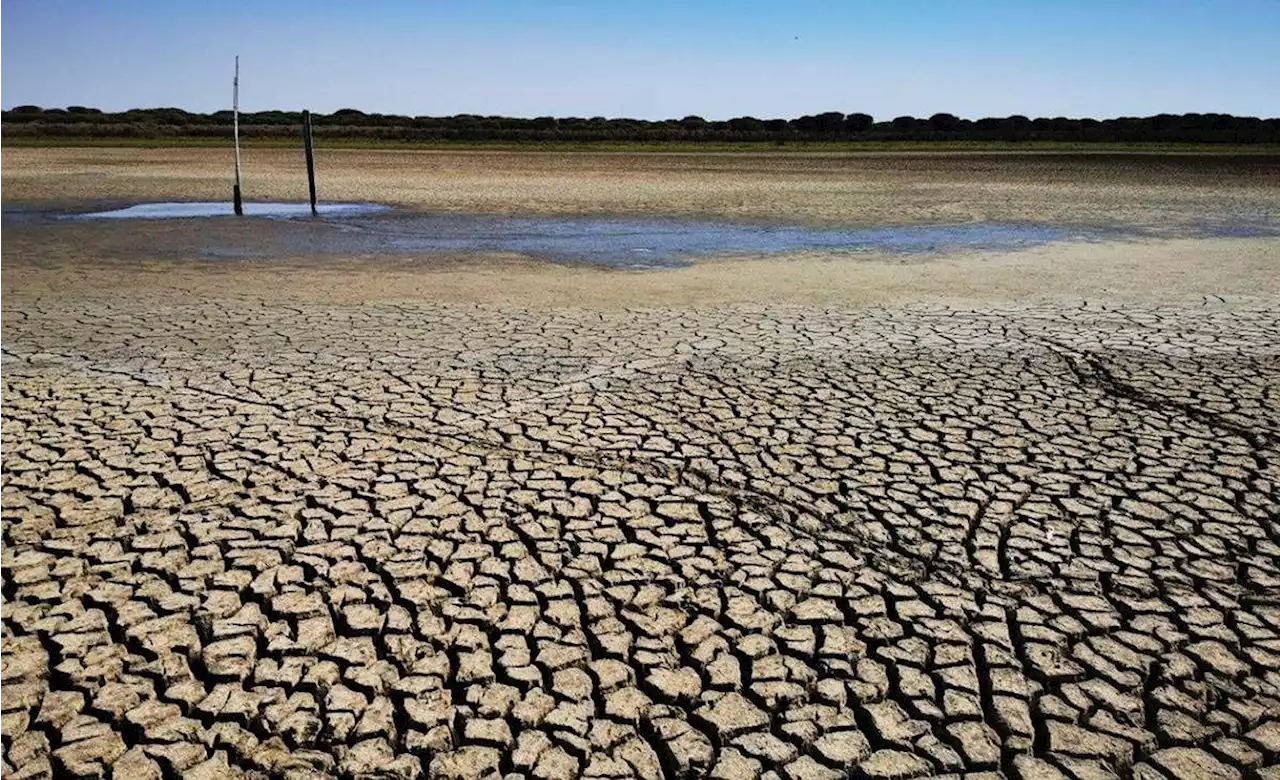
(456, 540)
(990, 515)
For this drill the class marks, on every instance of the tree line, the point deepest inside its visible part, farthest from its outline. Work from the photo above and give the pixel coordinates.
(159, 123)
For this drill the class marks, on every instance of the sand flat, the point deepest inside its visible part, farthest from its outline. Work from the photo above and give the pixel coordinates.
(845, 189)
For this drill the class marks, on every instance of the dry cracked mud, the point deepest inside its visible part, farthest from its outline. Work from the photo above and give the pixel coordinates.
(440, 539)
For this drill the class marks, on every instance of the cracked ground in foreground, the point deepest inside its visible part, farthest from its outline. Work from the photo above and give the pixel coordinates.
(451, 540)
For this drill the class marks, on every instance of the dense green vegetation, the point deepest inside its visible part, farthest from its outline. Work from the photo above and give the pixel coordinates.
(77, 123)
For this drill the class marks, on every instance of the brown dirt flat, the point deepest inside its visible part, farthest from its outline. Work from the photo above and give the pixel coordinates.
(852, 189)
(794, 517)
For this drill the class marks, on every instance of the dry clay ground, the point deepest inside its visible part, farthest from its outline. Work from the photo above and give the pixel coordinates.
(790, 518)
(1156, 191)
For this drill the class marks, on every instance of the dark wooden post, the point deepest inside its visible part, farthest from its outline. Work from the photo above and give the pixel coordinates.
(236, 201)
(311, 159)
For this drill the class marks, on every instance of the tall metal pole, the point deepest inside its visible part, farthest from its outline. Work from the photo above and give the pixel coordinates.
(311, 160)
(235, 124)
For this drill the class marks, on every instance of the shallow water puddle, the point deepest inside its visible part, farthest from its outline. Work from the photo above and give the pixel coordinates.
(624, 242)
(650, 242)
(190, 210)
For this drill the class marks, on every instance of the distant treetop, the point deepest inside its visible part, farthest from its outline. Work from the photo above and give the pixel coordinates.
(83, 122)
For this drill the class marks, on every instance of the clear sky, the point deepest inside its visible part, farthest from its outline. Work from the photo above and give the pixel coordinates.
(651, 59)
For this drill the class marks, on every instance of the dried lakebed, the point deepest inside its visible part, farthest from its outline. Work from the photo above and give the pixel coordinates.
(245, 537)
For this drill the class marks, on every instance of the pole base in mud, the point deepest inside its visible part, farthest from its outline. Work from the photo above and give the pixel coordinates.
(236, 201)
(308, 146)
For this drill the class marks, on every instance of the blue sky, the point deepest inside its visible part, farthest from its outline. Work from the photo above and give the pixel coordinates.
(652, 59)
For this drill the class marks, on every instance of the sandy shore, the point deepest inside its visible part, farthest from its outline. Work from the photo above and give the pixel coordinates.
(477, 516)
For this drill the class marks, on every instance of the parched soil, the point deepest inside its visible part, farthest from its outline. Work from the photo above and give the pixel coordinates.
(1156, 191)
(788, 518)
